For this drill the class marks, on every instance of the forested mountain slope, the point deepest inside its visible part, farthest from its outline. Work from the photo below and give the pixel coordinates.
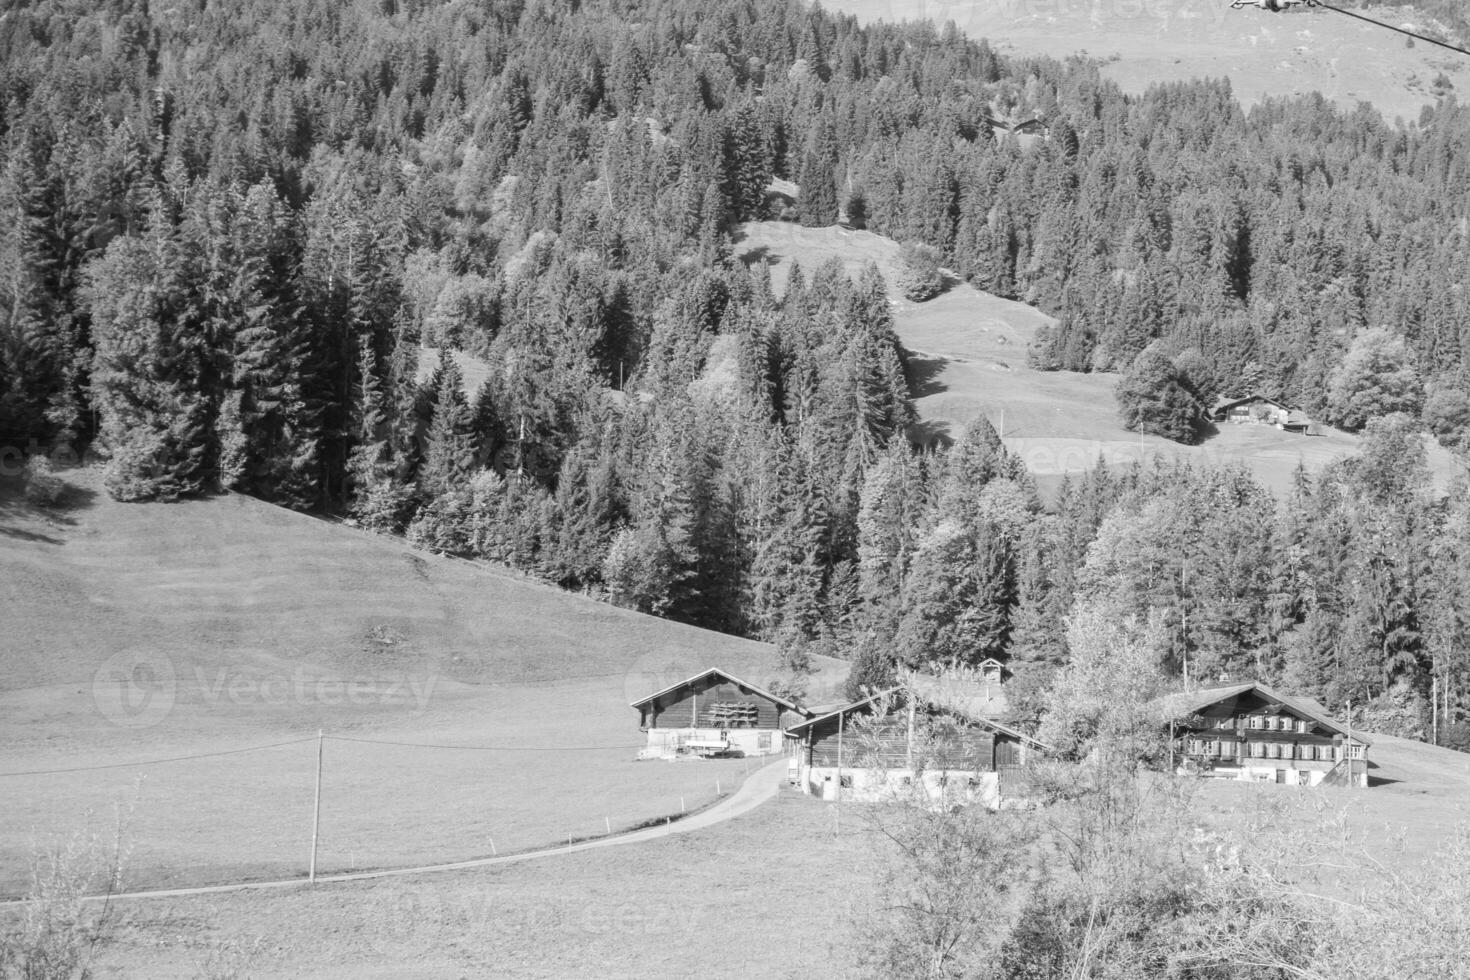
(228, 230)
(965, 353)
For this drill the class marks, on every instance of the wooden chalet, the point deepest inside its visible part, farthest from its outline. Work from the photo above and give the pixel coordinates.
(1260, 410)
(715, 713)
(1256, 409)
(887, 743)
(1253, 733)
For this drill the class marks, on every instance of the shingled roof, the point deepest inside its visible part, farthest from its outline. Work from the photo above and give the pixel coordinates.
(1184, 703)
(958, 707)
(727, 676)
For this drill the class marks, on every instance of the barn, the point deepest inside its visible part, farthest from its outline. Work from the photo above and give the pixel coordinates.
(1251, 732)
(888, 743)
(715, 713)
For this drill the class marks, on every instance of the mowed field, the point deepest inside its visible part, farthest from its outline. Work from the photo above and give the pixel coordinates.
(1263, 54)
(138, 632)
(1418, 801)
(775, 893)
(783, 891)
(968, 360)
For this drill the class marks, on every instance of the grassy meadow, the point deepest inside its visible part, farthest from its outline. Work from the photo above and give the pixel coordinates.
(1262, 54)
(229, 623)
(771, 893)
(784, 890)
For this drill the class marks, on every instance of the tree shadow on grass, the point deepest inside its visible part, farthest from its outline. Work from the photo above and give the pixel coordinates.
(17, 534)
(922, 373)
(1205, 432)
(760, 254)
(16, 510)
(930, 434)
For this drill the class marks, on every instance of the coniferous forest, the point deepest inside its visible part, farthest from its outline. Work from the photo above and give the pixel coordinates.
(228, 229)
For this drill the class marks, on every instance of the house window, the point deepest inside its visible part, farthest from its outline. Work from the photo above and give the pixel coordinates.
(1301, 726)
(1255, 721)
(845, 782)
(1354, 751)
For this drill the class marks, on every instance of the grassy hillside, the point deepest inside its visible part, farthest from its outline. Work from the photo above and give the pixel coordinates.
(678, 907)
(653, 909)
(1263, 54)
(969, 359)
(230, 623)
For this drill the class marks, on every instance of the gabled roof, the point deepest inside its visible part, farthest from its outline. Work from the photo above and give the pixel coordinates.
(979, 719)
(1193, 702)
(727, 676)
(1223, 402)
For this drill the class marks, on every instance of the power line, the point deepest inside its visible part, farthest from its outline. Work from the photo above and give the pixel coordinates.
(489, 748)
(156, 762)
(1277, 6)
(1379, 23)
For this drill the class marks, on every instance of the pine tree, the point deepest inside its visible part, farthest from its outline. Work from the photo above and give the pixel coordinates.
(817, 203)
(449, 448)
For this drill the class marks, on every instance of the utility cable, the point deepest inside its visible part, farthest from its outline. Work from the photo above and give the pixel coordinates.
(1276, 6)
(488, 748)
(157, 762)
(1378, 23)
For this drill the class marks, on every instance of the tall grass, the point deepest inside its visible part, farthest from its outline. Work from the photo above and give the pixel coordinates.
(68, 912)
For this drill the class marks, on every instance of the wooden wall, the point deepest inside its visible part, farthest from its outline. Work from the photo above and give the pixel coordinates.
(885, 746)
(706, 696)
(1228, 723)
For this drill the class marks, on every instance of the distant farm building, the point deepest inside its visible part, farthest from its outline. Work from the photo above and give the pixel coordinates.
(891, 742)
(715, 713)
(1250, 732)
(1260, 410)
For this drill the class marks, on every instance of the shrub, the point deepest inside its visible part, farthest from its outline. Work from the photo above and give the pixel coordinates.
(42, 486)
(55, 933)
(919, 277)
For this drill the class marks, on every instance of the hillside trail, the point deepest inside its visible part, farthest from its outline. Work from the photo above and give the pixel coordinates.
(758, 787)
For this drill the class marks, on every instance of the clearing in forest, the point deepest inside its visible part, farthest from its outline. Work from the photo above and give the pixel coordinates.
(968, 359)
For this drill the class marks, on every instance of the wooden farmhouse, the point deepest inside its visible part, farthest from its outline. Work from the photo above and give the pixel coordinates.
(715, 713)
(888, 743)
(1250, 732)
(1259, 410)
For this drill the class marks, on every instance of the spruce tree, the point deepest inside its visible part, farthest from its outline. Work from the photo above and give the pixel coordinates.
(449, 448)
